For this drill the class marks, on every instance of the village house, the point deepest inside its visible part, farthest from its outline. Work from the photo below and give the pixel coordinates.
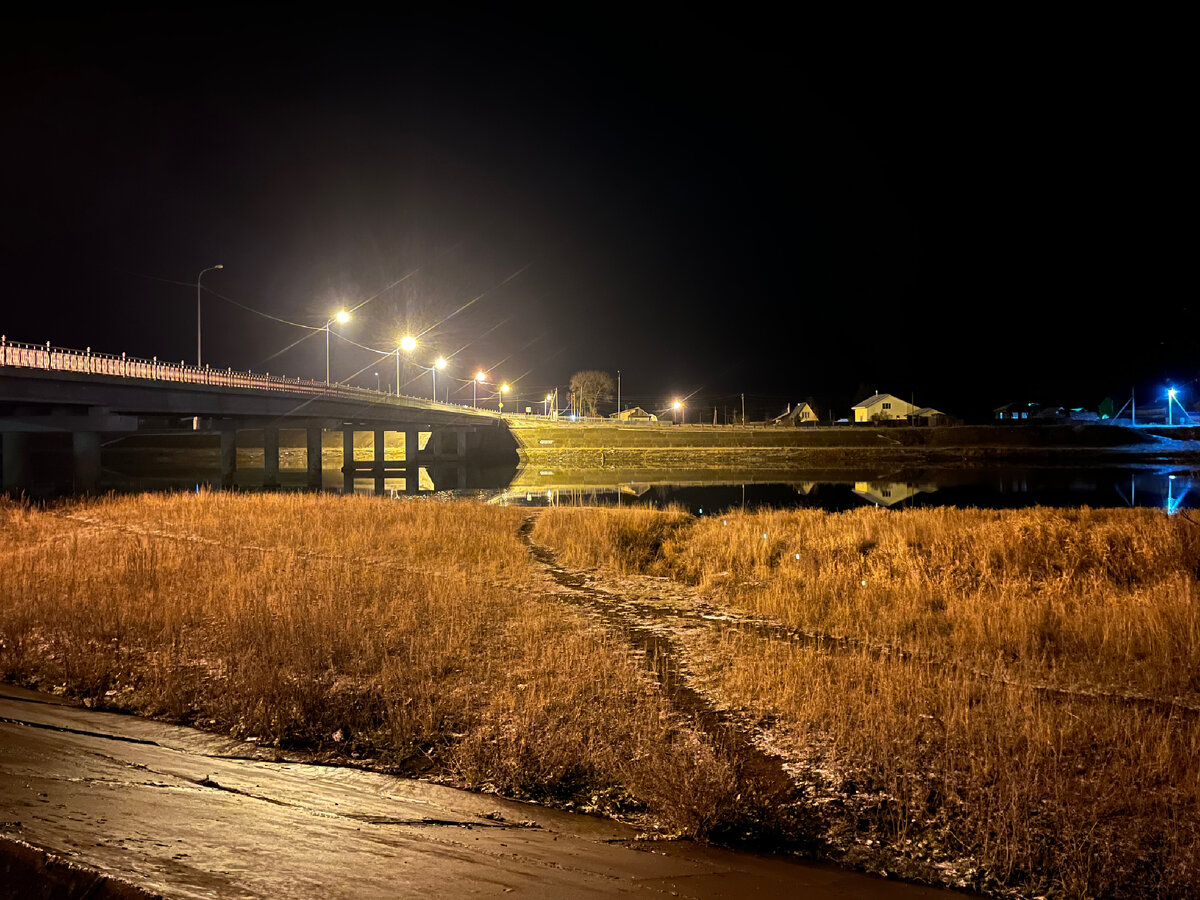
(929, 416)
(1011, 413)
(882, 408)
(634, 414)
(801, 414)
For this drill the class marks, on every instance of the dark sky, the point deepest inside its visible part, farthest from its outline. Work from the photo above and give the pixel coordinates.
(965, 212)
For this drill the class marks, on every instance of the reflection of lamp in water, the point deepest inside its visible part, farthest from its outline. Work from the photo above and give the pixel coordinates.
(1173, 502)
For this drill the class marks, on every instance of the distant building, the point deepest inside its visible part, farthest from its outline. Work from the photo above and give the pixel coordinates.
(802, 414)
(882, 408)
(1014, 413)
(929, 416)
(634, 414)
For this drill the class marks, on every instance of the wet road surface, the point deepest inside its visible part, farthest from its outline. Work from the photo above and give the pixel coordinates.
(177, 812)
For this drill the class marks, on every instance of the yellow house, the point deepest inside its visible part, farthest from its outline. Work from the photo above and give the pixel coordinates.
(801, 415)
(634, 414)
(882, 408)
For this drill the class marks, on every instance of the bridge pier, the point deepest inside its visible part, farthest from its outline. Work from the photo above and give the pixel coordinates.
(228, 457)
(85, 460)
(270, 457)
(313, 455)
(15, 449)
(412, 472)
(348, 460)
(377, 462)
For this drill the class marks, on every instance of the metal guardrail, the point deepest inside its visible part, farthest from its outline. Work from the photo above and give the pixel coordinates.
(15, 354)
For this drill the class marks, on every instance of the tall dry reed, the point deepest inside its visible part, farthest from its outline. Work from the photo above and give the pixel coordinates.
(400, 633)
(1017, 688)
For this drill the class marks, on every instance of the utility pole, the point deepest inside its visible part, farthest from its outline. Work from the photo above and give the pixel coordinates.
(618, 393)
(743, 409)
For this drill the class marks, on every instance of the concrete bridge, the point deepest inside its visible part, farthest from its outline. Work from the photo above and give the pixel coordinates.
(48, 390)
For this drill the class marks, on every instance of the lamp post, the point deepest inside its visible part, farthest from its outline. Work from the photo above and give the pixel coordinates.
(1170, 399)
(479, 376)
(408, 343)
(439, 363)
(547, 410)
(341, 317)
(198, 277)
(678, 409)
(500, 397)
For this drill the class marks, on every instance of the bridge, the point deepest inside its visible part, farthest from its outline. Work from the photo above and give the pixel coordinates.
(53, 390)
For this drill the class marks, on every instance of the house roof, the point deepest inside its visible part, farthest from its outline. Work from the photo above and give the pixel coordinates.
(876, 398)
(926, 411)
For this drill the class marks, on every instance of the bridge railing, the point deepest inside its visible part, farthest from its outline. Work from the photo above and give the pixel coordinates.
(16, 354)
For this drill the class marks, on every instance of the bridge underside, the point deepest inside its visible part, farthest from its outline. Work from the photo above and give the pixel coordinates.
(37, 413)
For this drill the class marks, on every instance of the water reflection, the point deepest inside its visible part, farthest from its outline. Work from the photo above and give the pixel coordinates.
(990, 487)
(700, 490)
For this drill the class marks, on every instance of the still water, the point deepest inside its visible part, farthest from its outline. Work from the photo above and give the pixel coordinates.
(701, 491)
(996, 487)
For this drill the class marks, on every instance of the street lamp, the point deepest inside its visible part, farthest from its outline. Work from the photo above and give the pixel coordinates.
(408, 343)
(1170, 399)
(341, 317)
(547, 410)
(198, 277)
(479, 377)
(678, 409)
(439, 363)
(500, 397)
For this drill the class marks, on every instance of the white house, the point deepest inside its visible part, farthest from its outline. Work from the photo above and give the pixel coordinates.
(634, 414)
(803, 414)
(882, 408)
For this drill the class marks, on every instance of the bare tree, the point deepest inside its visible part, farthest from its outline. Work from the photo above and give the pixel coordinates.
(590, 387)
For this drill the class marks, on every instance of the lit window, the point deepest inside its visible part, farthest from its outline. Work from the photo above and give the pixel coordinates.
(887, 406)
(1024, 415)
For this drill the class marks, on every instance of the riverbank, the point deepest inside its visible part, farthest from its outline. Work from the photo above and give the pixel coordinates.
(997, 700)
(660, 446)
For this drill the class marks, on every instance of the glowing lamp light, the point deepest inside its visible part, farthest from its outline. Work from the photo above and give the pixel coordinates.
(342, 317)
(408, 343)
(440, 364)
(677, 404)
(480, 376)
(504, 388)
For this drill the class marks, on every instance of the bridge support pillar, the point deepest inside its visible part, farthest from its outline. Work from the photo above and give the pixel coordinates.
(15, 449)
(378, 462)
(228, 457)
(313, 455)
(270, 457)
(348, 460)
(85, 460)
(460, 445)
(412, 472)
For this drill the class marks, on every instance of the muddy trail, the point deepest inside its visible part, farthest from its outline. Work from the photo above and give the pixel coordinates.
(648, 621)
(779, 814)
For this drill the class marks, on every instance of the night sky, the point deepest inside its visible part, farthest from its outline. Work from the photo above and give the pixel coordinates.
(960, 212)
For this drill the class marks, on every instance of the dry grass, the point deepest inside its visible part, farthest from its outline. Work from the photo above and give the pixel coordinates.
(1016, 688)
(403, 634)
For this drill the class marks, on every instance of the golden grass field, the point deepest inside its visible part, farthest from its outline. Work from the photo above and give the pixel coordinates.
(1015, 693)
(401, 634)
(1017, 688)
